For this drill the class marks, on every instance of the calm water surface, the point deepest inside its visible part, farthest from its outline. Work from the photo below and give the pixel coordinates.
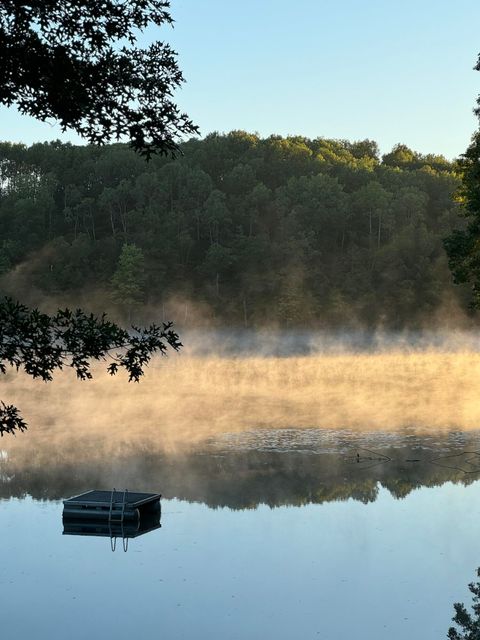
(270, 534)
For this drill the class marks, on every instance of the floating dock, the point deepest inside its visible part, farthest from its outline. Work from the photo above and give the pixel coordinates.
(114, 507)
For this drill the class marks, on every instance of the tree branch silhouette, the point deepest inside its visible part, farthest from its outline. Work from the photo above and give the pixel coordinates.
(469, 623)
(79, 64)
(40, 344)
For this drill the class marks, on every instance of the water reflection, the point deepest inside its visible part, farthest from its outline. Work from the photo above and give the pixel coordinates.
(234, 471)
(395, 566)
(363, 510)
(247, 571)
(123, 531)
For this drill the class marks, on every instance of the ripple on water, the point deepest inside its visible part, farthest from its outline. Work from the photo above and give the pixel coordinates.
(336, 440)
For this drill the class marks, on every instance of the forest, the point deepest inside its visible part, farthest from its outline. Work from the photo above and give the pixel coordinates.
(237, 229)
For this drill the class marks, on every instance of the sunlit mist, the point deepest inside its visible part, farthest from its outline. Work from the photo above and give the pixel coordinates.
(183, 399)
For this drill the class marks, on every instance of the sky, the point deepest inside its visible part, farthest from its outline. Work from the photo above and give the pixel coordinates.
(389, 70)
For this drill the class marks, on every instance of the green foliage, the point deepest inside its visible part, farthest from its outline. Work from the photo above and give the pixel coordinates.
(463, 245)
(41, 344)
(129, 278)
(469, 623)
(286, 230)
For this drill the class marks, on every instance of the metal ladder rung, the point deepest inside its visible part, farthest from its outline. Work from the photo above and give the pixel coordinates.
(111, 511)
(111, 520)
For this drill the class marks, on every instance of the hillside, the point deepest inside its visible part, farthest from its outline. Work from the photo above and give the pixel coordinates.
(238, 230)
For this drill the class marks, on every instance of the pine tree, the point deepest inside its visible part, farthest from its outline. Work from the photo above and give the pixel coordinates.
(468, 622)
(128, 281)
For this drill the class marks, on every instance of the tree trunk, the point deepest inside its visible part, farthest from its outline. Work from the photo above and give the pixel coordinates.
(112, 222)
(94, 235)
(123, 218)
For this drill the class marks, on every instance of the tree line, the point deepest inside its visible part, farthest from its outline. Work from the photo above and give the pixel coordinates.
(296, 231)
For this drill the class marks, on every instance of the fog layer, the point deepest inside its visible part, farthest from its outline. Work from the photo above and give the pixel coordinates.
(185, 399)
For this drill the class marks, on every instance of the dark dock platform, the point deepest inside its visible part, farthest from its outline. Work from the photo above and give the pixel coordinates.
(111, 506)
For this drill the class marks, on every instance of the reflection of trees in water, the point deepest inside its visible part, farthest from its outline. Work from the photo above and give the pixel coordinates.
(468, 623)
(237, 480)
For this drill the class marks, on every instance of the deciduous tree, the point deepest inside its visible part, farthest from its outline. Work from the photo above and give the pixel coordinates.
(79, 63)
(40, 344)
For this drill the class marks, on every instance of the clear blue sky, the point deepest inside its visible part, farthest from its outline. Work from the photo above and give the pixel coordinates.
(389, 70)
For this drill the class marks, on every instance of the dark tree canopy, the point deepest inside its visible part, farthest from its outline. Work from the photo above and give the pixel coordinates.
(254, 231)
(78, 63)
(463, 246)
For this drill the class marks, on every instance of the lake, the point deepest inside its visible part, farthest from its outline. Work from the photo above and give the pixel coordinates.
(298, 509)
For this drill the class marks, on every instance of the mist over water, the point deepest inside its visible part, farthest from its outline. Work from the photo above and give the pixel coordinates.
(228, 382)
(301, 464)
(260, 402)
(302, 342)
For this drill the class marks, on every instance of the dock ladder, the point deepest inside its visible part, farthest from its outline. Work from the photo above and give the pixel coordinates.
(117, 521)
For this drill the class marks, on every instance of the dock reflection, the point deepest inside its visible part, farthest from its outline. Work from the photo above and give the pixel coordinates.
(123, 531)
